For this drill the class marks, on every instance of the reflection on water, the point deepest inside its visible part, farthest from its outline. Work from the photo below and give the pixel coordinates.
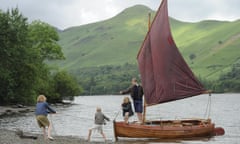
(78, 118)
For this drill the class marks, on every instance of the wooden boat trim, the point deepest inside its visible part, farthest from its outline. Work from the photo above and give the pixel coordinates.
(170, 129)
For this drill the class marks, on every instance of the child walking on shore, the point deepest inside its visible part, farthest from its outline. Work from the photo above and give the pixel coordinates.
(42, 110)
(99, 120)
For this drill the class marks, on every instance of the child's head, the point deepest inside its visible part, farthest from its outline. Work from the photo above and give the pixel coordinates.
(134, 81)
(41, 98)
(98, 109)
(126, 100)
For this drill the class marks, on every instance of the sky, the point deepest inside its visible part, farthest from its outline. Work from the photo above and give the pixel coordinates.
(67, 13)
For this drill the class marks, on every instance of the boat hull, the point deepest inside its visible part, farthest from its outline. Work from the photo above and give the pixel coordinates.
(165, 129)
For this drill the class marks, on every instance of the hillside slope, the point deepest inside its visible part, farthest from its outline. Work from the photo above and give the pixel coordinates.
(209, 47)
(111, 42)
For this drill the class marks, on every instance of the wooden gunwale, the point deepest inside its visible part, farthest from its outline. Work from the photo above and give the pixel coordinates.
(170, 129)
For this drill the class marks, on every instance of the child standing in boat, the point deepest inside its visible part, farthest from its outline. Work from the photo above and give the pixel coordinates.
(42, 110)
(127, 109)
(99, 120)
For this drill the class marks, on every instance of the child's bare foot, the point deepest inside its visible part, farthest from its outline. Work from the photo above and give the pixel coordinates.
(50, 138)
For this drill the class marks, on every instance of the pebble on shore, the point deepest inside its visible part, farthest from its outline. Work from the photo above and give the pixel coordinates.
(10, 137)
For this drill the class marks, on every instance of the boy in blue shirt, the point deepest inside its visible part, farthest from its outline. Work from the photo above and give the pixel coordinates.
(42, 110)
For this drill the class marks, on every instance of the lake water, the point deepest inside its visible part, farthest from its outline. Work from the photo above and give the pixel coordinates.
(75, 120)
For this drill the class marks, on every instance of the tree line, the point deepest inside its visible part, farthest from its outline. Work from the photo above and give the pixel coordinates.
(227, 82)
(24, 49)
(111, 79)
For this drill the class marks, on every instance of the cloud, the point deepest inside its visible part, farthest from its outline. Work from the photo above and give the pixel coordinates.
(196, 10)
(67, 13)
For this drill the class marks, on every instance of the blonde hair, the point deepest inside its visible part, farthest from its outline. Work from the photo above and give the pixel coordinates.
(126, 100)
(98, 109)
(41, 98)
(134, 79)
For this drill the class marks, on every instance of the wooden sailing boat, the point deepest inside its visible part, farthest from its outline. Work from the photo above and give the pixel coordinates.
(165, 77)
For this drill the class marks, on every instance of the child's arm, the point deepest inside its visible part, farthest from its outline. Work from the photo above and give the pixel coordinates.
(106, 118)
(50, 109)
(126, 106)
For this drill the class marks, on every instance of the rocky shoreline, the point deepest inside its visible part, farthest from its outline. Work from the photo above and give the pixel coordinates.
(21, 109)
(15, 110)
(12, 137)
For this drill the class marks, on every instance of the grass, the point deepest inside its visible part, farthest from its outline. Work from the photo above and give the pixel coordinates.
(116, 41)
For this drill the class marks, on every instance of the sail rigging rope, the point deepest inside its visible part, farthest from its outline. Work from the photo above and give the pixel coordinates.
(117, 114)
(208, 109)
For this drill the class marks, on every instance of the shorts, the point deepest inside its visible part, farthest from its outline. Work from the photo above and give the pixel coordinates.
(42, 121)
(138, 106)
(97, 128)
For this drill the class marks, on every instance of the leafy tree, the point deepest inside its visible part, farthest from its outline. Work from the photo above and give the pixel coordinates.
(17, 66)
(229, 82)
(44, 38)
(65, 86)
(24, 48)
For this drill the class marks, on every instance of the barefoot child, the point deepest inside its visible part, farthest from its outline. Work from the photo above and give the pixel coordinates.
(98, 122)
(42, 110)
(127, 109)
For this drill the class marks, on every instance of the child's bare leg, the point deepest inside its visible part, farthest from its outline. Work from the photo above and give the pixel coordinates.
(126, 117)
(89, 134)
(44, 133)
(104, 136)
(140, 118)
(49, 130)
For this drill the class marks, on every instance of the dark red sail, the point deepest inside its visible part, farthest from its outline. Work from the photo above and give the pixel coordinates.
(165, 75)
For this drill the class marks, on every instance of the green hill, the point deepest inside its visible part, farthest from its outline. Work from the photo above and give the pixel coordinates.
(111, 42)
(215, 45)
(209, 47)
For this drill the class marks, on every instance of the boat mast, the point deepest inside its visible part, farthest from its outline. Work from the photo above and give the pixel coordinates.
(144, 108)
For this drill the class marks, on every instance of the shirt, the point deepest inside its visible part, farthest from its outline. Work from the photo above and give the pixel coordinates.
(100, 118)
(42, 108)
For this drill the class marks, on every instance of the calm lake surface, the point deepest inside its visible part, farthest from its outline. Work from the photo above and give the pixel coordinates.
(75, 120)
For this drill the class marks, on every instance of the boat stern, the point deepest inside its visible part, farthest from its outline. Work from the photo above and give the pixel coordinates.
(218, 131)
